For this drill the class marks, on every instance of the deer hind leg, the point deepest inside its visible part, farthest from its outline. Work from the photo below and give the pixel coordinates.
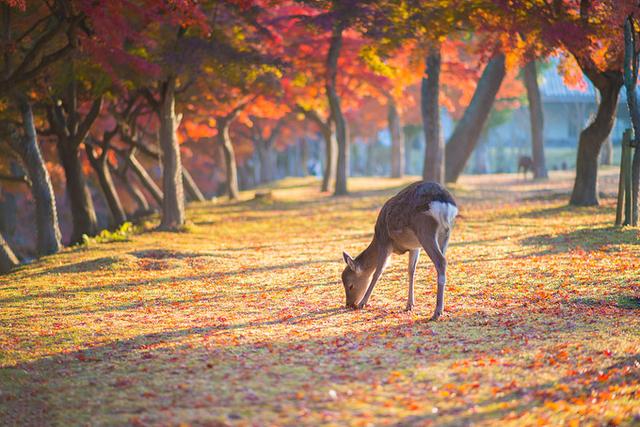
(414, 254)
(383, 255)
(443, 240)
(428, 237)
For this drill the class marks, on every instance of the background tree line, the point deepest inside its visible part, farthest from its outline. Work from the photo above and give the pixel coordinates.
(113, 93)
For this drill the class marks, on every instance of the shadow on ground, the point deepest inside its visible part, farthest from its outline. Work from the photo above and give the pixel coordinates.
(587, 239)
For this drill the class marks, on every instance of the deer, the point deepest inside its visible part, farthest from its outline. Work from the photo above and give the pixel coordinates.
(525, 163)
(421, 216)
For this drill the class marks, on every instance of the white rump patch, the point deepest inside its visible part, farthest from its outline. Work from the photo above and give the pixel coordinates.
(443, 212)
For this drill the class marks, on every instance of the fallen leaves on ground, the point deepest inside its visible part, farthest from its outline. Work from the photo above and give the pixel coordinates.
(240, 320)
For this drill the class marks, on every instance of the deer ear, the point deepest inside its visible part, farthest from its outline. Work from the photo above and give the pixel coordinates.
(350, 262)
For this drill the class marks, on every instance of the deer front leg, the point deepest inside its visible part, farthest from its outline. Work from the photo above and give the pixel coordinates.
(413, 261)
(428, 240)
(383, 255)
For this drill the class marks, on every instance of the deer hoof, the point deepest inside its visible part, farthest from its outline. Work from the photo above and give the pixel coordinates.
(409, 307)
(360, 306)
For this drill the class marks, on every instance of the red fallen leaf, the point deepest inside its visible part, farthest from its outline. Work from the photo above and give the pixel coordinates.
(123, 382)
(149, 394)
(136, 421)
(413, 406)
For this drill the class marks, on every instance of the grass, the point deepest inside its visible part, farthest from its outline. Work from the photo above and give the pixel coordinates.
(239, 320)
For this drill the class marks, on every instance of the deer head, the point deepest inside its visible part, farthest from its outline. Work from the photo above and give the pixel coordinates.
(355, 281)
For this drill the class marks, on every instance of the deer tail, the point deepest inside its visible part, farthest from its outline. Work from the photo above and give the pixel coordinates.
(444, 213)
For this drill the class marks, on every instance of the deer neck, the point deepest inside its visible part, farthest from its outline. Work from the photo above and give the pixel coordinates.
(368, 259)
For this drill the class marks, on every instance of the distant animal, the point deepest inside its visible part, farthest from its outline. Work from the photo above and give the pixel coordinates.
(525, 163)
(421, 216)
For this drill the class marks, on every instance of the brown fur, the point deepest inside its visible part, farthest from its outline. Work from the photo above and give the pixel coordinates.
(525, 163)
(403, 225)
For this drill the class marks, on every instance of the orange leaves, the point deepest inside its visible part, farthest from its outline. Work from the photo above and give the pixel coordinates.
(196, 130)
(257, 333)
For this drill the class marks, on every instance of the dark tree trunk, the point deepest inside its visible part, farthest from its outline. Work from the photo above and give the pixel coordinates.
(537, 121)
(433, 169)
(190, 185)
(100, 165)
(267, 161)
(8, 259)
(48, 229)
(585, 189)
(82, 210)
(630, 80)
(224, 140)
(148, 182)
(397, 139)
(336, 111)
(468, 130)
(71, 131)
(330, 149)
(173, 201)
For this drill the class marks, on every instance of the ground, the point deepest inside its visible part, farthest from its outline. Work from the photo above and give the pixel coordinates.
(240, 319)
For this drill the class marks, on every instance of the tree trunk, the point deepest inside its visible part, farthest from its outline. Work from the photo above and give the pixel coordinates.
(8, 259)
(82, 210)
(304, 156)
(64, 119)
(265, 157)
(397, 139)
(190, 185)
(224, 140)
(469, 128)
(585, 189)
(537, 121)
(136, 194)
(336, 111)
(173, 201)
(100, 165)
(47, 227)
(606, 152)
(330, 149)
(433, 169)
(635, 184)
(630, 80)
(146, 180)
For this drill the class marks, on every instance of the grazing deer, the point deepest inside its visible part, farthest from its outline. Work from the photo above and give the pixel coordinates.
(420, 216)
(525, 163)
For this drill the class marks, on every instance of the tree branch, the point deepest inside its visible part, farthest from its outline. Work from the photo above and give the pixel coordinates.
(87, 122)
